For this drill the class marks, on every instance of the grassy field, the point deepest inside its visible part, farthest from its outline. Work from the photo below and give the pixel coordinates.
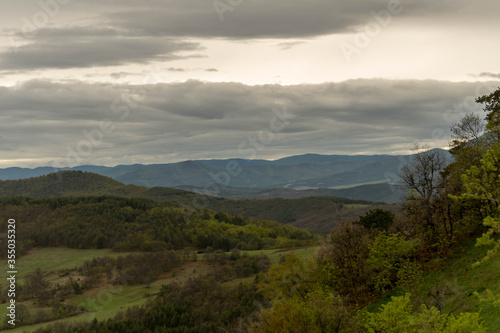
(107, 300)
(275, 255)
(52, 259)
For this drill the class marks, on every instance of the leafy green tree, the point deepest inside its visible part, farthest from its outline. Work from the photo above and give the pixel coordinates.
(492, 107)
(289, 279)
(291, 316)
(399, 316)
(377, 219)
(347, 251)
(321, 311)
(390, 260)
(483, 184)
(394, 317)
(302, 300)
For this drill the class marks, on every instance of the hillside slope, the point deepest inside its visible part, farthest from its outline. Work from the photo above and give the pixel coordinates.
(317, 214)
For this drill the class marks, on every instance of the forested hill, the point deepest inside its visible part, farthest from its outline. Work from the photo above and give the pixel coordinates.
(317, 214)
(134, 224)
(68, 183)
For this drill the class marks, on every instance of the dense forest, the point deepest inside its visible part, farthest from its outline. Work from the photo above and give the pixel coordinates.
(369, 275)
(317, 214)
(136, 224)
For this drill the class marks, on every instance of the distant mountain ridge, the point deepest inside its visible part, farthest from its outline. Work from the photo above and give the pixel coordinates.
(301, 172)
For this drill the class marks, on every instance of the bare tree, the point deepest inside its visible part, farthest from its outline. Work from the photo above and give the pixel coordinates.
(422, 176)
(23, 314)
(469, 128)
(467, 139)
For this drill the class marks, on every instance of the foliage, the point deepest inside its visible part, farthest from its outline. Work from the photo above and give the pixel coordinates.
(377, 219)
(311, 213)
(226, 268)
(301, 302)
(36, 286)
(483, 184)
(320, 312)
(317, 214)
(398, 316)
(127, 224)
(138, 268)
(291, 316)
(202, 305)
(347, 251)
(489, 298)
(390, 259)
(291, 278)
(492, 107)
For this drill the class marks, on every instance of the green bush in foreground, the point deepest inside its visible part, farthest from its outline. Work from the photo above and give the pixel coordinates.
(398, 316)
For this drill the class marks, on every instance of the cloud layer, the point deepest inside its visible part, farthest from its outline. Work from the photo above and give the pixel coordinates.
(111, 33)
(44, 121)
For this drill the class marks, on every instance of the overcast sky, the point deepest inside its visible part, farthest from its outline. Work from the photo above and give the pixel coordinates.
(111, 82)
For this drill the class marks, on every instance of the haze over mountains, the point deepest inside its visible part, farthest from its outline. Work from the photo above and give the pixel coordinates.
(317, 214)
(365, 177)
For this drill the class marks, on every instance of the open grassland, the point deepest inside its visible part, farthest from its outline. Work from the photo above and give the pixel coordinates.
(276, 254)
(55, 258)
(107, 300)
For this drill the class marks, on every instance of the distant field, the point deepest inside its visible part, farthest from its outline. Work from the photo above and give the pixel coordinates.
(275, 255)
(106, 301)
(50, 260)
(304, 253)
(56, 259)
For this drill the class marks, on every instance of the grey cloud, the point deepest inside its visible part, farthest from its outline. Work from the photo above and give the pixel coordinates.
(193, 120)
(93, 52)
(490, 75)
(262, 19)
(122, 75)
(109, 33)
(248, 19)
(288, 45)
(82, 31)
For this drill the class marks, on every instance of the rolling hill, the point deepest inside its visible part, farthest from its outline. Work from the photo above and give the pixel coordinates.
(317, 214)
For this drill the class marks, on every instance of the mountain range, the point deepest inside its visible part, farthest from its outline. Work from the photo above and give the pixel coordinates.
(364, 177)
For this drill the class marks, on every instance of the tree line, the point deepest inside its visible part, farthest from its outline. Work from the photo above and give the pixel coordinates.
(134, 224)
